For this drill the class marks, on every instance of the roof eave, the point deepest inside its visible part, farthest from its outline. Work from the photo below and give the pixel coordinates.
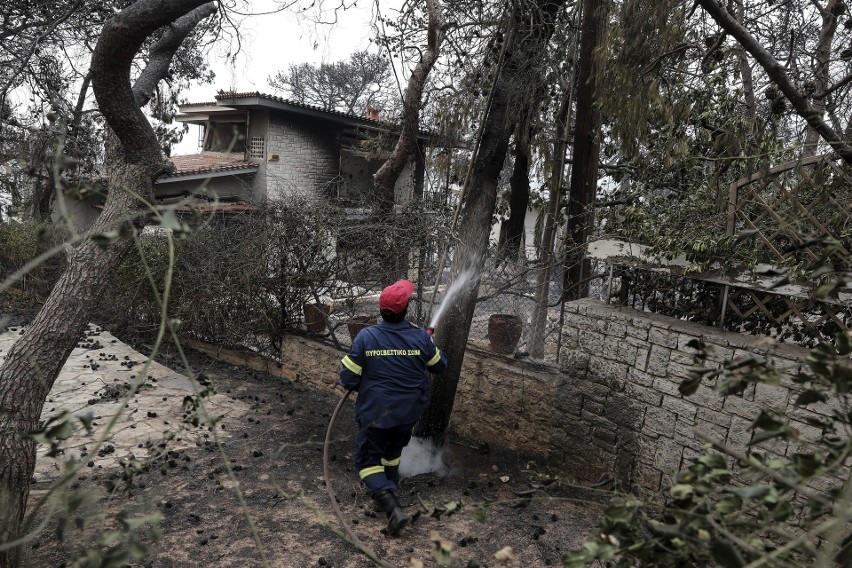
(206, 175)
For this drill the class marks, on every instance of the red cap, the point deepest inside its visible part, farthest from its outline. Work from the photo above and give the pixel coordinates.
(395, 297)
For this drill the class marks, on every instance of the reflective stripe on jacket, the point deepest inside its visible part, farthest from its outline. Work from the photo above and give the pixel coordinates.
(388, 367)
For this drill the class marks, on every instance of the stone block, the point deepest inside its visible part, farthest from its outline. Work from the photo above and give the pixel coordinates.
(807, 433)
(658, 360)
(684, 338)
(685, 410)
(603, 369)
(741, 407)
(643, 354)
(626, 353)
(596, 325)
(662, 337)
(639, 377)
(647, 477)
(659, 420)
(616, 329)
(682, 358)
(668, 456)
(714, 416)
(607, 436)
(640, 333)
(772, 396)
(575, 363)
(719, 353)
(593, 407)
(667, 385)
(707, 398)
(591, 341)
(624, 413)
(739, 434)
(716, 431)
(643, 394)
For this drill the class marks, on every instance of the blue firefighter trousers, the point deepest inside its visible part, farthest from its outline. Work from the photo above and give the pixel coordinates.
(377, 452)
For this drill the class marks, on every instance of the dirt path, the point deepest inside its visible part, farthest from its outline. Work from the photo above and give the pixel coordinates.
(271, 440)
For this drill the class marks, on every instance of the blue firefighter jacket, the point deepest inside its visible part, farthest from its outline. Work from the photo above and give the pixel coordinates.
(388, 367)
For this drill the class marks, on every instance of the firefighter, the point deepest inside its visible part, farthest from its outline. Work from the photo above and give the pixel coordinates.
(388, 366)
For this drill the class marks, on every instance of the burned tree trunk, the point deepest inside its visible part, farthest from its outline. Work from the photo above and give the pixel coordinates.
(512, 230)
(584, 174)
(516, 85)
(133, 161)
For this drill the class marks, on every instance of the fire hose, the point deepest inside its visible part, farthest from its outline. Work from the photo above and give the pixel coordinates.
(356, 542)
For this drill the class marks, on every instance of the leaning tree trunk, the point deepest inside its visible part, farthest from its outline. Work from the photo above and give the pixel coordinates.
(518, 78)
(387, 175)
(778, 74)
(133, 162)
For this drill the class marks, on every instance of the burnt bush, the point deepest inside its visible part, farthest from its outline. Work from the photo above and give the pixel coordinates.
(237, 280)
(20, 243)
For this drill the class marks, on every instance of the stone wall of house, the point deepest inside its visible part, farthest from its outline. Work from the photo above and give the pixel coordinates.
(302, 156)
(612, 410)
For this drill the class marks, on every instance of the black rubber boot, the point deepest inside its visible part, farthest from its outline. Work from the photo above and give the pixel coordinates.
(397, 518)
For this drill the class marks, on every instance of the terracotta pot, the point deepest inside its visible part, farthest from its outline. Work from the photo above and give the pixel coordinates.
(504, 332)
(357, 323)
(315, 317)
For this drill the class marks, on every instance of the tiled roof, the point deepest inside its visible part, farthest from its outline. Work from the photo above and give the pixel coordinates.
(256, 94)
(208, 162)
(211, 103)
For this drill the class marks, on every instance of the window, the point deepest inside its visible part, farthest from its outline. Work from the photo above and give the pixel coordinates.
(256, 147)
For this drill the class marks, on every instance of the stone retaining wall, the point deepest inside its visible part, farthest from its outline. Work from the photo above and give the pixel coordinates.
(612, 410)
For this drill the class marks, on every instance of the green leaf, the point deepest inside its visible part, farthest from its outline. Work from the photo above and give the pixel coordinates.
(576, 559)
(681, 492)
(105, 239)
(712, 461)
(726, 554)
(766, 421)
(841, 378)
(478, 514)
(665, 529)
(843, 342)
(751, 492)
(807, 464)
(764, 435)
(826, 290)
(729, 504)
(690, 385)
(745, 235)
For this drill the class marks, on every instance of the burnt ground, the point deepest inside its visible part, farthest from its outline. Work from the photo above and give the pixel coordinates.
(274, 452)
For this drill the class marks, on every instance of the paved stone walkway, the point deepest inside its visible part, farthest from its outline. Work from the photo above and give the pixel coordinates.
(95, 382)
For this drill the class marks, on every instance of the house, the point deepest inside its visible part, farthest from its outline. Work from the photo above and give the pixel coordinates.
(258, 147)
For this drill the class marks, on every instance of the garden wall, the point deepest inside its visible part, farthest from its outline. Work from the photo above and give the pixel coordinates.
(612, 411)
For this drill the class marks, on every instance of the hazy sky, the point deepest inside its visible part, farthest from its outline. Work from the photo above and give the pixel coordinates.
(272, 41)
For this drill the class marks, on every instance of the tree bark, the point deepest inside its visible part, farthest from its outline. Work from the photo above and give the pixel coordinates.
(584, 172)
(821, 78)
(512, 230)
(389, 172)
(133, 162)
(385, 178)
(519, 76)
(538, 325)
